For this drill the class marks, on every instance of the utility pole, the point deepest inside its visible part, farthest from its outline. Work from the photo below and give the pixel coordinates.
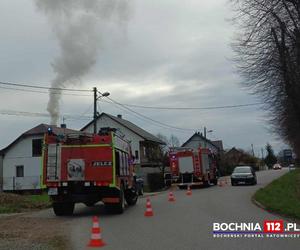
(95, 110)
(205, 132)
(96, 97)
(252, 149)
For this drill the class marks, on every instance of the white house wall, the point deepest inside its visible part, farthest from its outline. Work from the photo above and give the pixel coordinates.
(21, 154)
(135, 139)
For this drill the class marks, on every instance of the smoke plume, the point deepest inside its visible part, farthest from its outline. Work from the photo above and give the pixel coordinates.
(77, 24)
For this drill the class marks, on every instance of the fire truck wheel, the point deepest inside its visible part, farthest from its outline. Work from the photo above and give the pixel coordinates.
(63, 208)
(120, 207)
(207, 183)
(131, 197)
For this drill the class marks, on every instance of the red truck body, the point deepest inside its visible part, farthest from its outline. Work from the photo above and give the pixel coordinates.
(192, 167)
(88, 168)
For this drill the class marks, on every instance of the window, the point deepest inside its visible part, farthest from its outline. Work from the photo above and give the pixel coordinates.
(136, 155)
(20, 171)
(36, 147)
(117, 158)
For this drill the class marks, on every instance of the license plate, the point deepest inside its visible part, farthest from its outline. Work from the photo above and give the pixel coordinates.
(241, 182)
(52, 191)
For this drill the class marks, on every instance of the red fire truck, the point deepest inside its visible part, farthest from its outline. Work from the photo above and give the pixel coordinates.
(192, 167)
(87, 168)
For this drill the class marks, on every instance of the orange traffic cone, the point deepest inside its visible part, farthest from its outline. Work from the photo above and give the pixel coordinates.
(220, 183)
(189, 191)
(171, 196)
(96, 240)
(149, 211)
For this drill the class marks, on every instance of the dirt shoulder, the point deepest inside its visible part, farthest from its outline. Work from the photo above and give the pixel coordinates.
(24, 232)
(15, 203)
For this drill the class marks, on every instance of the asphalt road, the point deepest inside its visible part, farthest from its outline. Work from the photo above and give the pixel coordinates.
(184, 224)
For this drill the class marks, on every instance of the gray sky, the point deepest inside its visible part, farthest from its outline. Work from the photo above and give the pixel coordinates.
(170, 53)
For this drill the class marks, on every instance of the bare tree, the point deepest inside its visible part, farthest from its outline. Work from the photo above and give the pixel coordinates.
(268, 57)
(174, 141)
(163, 152)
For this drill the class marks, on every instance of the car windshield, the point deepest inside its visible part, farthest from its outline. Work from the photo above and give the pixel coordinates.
(242, 170)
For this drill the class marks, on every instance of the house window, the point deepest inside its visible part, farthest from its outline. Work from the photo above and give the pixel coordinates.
(36, 147)
(136, 155)
(20, 171)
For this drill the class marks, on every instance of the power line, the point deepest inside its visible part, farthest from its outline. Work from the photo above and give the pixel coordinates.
(124, 104)
(148, 118)
(42, 92)
(191, 108)
(42, 87)
(37, 114)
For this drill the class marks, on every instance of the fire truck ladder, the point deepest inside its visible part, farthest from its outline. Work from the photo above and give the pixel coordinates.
(52, 163)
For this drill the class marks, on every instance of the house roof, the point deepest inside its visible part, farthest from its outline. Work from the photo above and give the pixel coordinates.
(39, 130)
(198, 134)
(129, 125)
(219, 144)
(234, 151)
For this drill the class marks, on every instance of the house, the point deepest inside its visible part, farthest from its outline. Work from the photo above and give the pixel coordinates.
(234, 155)
(22, 159)
(144, 146)
(238, 157)
(198, 140)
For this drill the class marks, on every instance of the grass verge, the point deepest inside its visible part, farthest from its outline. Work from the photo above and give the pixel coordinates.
(14, 203)
(282, 196)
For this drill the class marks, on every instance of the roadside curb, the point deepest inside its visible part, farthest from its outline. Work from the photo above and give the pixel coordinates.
(153, 194)
(282, 216)
(258, 204)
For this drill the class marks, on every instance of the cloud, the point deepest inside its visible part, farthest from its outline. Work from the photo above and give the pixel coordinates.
(172, 53)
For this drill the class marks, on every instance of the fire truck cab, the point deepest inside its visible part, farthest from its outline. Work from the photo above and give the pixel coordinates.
(87, 168)
(190, 167)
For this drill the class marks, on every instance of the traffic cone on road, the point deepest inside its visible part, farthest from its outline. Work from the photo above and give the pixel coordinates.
(149, 211)
(171, 197)
(220, 184)
(189, 191)
(96, 240)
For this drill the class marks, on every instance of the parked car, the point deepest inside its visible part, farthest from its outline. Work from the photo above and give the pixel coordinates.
(140, 185)
(243, 175)
(292, 167)
(277, 166)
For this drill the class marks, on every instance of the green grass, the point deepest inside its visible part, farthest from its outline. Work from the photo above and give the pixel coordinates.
(38, 197)
(282, 195)
(14, 203)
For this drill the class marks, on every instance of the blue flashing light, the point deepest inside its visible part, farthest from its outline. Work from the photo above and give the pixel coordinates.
(50, 132)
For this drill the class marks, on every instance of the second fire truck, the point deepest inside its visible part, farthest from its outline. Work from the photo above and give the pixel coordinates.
(190, 167)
